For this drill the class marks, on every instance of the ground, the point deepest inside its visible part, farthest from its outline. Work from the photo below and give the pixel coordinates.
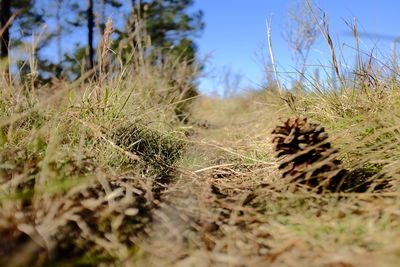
(231, 207)
(123, 182)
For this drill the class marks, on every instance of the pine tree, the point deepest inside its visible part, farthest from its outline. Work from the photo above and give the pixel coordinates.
(24, 16)
(169, 25)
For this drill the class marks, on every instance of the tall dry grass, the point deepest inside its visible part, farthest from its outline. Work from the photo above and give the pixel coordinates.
(83, 163)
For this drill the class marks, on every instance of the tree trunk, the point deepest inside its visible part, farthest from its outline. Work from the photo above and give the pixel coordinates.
(5, 14)
(90, 24)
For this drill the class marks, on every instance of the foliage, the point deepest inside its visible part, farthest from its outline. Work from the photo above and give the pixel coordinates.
(170, 26)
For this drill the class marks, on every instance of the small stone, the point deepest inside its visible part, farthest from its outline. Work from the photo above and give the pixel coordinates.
(131, 212)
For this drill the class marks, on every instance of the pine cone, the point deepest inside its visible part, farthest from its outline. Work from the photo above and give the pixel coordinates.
(309, 160)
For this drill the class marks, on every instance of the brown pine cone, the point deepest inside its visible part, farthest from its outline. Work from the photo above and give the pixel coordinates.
(309, 160)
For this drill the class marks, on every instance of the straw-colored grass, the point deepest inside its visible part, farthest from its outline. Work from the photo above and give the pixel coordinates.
(105, 172)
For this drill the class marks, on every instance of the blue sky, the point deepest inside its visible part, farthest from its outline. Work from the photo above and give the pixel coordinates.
(235, 35)
(234, 40)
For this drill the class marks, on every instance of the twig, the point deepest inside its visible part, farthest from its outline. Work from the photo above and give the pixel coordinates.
(271, 53)
(214, 167)
(10, 20)
(325, 32)
(105, 49)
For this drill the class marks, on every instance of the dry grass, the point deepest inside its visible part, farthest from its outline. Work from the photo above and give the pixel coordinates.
(71, 187)
(107, 174)
(72, 190)
(235, 210)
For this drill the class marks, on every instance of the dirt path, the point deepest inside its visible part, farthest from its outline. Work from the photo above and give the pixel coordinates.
(208, 218)
(229, 207)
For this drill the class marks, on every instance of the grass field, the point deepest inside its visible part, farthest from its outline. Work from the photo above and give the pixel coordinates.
(103, 173)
